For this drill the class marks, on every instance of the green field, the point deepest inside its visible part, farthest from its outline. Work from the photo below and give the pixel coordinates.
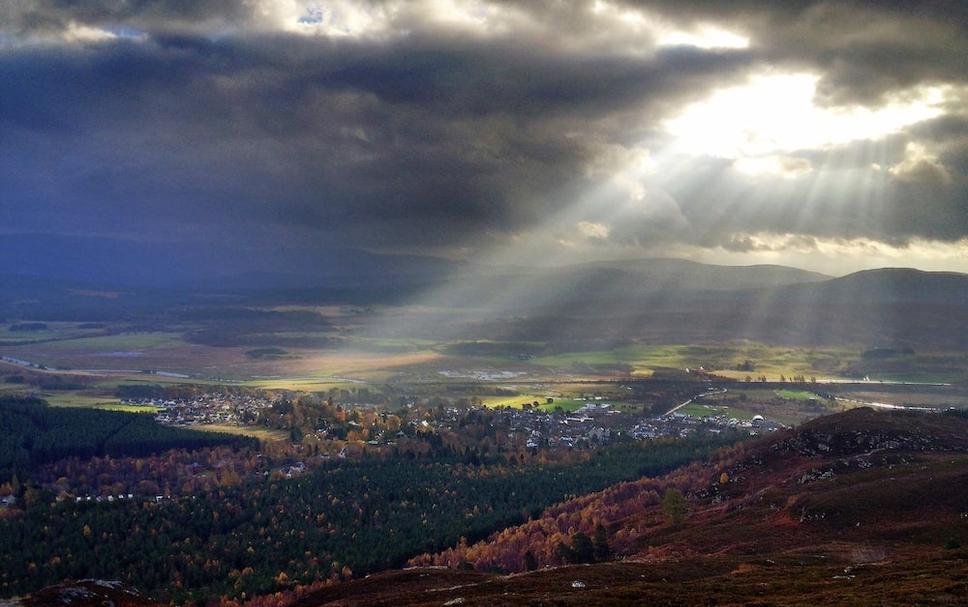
(518, 401)
(796, 395)
(700, 410)
(128, 408)
(642, 358)
(567, 404)
(723, 359)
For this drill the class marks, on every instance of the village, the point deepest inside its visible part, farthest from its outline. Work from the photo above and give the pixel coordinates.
(209, 408)
(594, 424)
(598, 424)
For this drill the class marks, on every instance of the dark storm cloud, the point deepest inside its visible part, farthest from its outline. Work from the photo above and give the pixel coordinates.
(864, 50)
(207, 116)
(367, 138)
(52, 16)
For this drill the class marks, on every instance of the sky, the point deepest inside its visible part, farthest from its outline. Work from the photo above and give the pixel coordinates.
(831, 136)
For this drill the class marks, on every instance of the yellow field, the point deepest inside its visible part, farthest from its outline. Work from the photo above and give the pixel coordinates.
(517, 401)
(265, 434)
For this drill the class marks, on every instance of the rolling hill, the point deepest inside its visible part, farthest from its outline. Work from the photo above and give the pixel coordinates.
(890, 284)
(871, 308)
(661, 300)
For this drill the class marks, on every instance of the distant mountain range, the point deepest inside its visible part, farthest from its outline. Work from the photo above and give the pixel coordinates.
(691, 275)
(670, 300)
(889, 284)
(123, 263)
(683, 302)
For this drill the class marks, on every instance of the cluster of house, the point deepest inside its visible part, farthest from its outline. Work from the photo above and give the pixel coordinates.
(208, 408)
(597, 423)
(678, 425)
(104, 498)
(594, 423)
(591, 424)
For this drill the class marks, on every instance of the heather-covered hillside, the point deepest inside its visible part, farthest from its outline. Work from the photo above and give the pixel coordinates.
(860, 480)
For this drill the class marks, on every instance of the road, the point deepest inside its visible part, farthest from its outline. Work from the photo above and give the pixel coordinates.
(695, 398)
(19, 362)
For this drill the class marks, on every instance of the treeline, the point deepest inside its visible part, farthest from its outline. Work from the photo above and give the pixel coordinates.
(344, 519)
(171, 473)
(32, 433)
(48, 381)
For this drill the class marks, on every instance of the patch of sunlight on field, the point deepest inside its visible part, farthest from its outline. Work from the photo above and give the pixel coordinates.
(128, 408)
(639, 356)
(341, 363)
(517, 402)
(723, 359)
(774, 361)
(266, 434)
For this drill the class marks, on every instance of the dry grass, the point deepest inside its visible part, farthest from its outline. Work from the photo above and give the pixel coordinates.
(265, 434)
